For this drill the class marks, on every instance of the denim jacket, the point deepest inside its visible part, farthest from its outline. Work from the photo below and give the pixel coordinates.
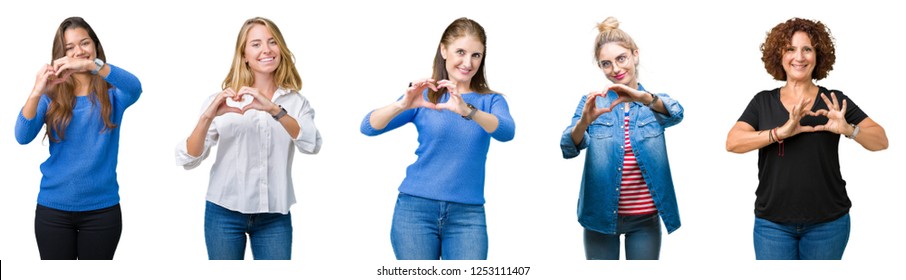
(600, 190)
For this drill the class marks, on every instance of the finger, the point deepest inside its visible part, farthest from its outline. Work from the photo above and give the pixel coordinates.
(821, 112)
(810, 128)
(836, 102)
(830, 105)
(843, 110)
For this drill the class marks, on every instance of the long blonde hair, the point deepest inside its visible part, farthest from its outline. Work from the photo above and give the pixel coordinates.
(286, 75)
(62, 96)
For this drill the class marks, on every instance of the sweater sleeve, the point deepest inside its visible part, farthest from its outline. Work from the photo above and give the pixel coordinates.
(127, 87)
(187, 161)
(567, 146)
(27, 129)
(401, 119)
(506, 127)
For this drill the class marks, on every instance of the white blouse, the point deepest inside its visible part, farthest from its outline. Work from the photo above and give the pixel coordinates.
(252, 173)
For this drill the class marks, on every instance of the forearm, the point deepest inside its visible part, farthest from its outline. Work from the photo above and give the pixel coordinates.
(743, 138)
(288, 122)
(195, 142)
(658, 105)
(578, 132)
(31, 106)
(487, 121)
(380, 117)
(872, 138)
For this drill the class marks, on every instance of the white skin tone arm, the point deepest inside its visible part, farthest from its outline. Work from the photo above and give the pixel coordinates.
(591, 111)
(380, 117)
(50, 75)
(743, 137)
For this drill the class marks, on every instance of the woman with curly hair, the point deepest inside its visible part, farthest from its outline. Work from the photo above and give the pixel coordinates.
(801, 206)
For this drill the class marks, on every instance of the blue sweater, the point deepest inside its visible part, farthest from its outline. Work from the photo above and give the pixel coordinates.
(80, 174)
(451, 151)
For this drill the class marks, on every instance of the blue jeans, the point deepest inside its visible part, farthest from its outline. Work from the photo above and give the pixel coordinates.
(643, 239)
(782, 241)
(271, 234)
(427, 229)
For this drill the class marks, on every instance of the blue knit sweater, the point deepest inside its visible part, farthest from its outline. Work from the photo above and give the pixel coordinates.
(451, 151)
(80, 174)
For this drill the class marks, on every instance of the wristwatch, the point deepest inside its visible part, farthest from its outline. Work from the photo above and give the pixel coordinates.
(98, 63)
(281, 114)
(653, 100)
(472, 113)
(855, 132)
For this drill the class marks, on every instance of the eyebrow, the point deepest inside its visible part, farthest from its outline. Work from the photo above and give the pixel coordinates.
(80, 41)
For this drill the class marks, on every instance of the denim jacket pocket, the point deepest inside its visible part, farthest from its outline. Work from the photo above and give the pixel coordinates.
(649, 127)
(601, 128)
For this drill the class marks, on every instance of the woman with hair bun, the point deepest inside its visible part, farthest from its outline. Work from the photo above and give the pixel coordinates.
(801, 206)
(626, 186)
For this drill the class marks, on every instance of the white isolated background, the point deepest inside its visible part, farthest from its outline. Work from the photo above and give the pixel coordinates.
(355, 56)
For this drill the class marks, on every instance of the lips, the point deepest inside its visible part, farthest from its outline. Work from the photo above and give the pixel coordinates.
(464, 71)
(266, 60)
(619, 76)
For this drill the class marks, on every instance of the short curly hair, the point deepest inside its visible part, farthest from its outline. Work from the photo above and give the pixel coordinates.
(780, 37)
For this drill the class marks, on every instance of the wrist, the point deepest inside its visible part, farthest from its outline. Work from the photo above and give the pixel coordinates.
(274, 110)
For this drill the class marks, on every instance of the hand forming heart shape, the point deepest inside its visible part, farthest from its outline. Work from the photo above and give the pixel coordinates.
(246, 100)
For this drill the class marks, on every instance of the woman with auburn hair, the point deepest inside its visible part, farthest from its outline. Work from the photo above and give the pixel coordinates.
(80, 98)
(439, 212)
(259, 119)
(801, 206)
(627, 187)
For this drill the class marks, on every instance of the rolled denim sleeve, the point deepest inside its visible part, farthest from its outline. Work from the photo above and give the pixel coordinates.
(570, 149)
(673, 107)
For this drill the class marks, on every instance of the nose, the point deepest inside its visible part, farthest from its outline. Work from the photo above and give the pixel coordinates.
(467, 63)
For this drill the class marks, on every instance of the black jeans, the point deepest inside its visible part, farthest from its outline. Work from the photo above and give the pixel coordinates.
(89, 235)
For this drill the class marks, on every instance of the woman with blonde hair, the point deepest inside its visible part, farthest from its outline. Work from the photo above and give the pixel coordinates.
(626, 186)
(259, 119)
(80, 99)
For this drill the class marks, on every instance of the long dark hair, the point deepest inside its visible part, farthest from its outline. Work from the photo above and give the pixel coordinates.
(62, 96)
(459, 28)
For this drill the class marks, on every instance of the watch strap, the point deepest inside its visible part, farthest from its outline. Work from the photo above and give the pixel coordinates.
(98, 64)
(280, 114)
(472, 113)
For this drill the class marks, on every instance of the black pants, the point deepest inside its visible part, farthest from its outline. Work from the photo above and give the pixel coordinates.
(89, 235)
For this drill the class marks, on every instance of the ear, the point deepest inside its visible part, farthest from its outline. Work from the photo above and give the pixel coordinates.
(443, 51)
(635, 55)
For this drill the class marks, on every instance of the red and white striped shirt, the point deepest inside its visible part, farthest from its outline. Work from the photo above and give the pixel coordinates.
(635, 199)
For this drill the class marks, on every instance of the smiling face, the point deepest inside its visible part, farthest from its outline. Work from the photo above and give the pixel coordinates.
(799, 58)
(463, 58)
(618, 63)
(262, 54)
(77, 44)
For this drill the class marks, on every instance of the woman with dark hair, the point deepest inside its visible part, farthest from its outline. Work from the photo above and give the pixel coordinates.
(80, 98)
(801, 206)
(439, 213)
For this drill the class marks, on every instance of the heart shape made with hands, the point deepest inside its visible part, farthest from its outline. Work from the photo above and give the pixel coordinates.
(246, 100)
